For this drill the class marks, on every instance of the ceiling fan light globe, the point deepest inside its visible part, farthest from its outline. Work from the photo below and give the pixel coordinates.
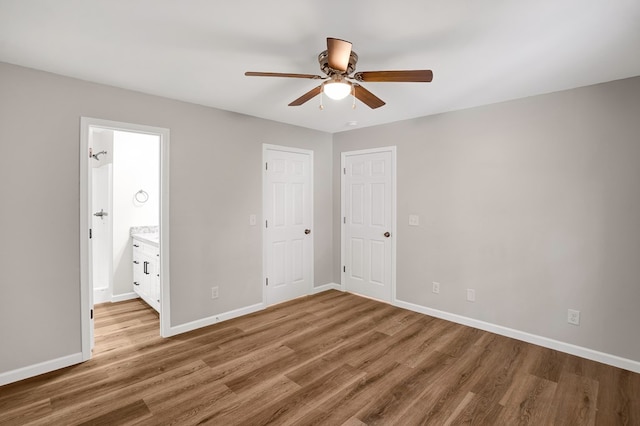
(337, 90)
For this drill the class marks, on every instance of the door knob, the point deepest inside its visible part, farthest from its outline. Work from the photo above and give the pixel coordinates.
(387, 234)
(307, 231)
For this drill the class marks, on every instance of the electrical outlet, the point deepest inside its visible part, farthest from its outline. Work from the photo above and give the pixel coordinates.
(436, 287)
(414, 220)
(573, 317)
(214, 292)
(471, 295)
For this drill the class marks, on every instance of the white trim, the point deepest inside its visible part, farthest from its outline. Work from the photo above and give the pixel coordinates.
(86, 285)
(124, 296)
(266, 147)
(394, 201)
(580, 351)
(165, 243)
(325, 287)
(86, 290)
(205, 322)
(40, 368)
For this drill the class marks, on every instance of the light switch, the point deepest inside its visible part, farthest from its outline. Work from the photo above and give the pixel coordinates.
(414, 220)
(252, 220)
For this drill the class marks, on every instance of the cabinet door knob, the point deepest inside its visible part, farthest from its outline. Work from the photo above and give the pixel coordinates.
(387, 234)
(136, 283)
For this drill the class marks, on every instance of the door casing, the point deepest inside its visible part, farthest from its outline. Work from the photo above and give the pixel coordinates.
(394, 234)
(86, 287)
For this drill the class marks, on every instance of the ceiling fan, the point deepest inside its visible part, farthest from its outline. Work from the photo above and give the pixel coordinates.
(338, 63)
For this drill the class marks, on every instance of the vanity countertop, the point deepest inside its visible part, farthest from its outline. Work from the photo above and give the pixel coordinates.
(148, 237)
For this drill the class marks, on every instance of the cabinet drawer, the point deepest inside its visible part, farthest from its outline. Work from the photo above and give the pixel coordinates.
(145, 248)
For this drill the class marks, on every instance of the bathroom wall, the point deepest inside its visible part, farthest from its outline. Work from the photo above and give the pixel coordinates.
(136, 166)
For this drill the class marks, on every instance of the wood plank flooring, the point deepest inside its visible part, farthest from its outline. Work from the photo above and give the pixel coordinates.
(328, 359)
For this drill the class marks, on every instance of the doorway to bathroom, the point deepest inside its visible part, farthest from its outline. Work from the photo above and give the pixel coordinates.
(124, 219)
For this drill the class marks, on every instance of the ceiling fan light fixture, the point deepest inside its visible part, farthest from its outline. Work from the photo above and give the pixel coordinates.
(337, 90)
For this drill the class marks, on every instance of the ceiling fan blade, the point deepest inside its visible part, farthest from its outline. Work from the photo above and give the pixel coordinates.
(281, 74)
(339, 52)
(414, 76)
(366, 97)
(307, 96)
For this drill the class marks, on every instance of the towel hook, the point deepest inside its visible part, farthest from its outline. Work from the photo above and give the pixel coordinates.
(142, 196)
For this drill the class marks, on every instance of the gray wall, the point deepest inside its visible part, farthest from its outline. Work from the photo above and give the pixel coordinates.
(215, 184)
(534, 203)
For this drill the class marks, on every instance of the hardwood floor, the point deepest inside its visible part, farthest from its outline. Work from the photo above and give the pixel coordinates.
(328, 359)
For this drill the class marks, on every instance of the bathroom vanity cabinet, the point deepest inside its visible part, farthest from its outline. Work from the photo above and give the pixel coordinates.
(146, 269)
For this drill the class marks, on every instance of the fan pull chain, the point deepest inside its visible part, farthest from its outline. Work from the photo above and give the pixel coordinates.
(353, 93)
(321, 92)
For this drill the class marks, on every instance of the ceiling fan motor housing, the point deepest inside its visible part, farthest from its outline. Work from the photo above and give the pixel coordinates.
(323, 59)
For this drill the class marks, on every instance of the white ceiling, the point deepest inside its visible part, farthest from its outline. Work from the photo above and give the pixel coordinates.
(481, 52)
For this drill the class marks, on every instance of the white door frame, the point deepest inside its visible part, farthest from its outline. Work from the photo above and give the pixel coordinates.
(86, 279)
(394, 233)
(266, 147)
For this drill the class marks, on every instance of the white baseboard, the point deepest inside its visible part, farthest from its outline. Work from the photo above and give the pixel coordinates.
(325, 287)
(580, 351)
(41, 368)
(204, 322)
(193, 325)
(616, 361)
(124, 296)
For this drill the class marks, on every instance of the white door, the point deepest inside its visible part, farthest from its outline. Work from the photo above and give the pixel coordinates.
(368, 207)
(101, 241)
(288, 223)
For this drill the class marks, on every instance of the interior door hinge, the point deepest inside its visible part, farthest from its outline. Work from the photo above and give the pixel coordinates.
(90, 233)
(267, 281)
(344, 171)
(266, 223)
(266, 166)
(344, 269)
(92, 314)
(344, 219)
(90, 152)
